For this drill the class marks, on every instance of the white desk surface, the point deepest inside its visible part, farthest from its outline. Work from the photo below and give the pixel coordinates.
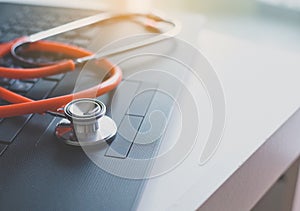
(257, 60)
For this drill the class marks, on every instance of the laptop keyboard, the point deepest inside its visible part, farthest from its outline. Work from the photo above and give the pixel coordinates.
(34, 164)
(134, 110)
(29, 20)
(33, 19)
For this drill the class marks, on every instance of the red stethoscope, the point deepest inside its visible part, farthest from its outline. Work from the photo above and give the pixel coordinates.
(21, 105)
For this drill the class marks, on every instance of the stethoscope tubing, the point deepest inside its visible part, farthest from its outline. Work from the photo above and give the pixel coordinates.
(22, 105)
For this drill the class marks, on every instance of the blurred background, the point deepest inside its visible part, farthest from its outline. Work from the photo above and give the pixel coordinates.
(269, 22)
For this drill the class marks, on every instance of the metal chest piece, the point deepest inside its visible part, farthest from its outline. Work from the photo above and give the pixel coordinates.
(85, 123)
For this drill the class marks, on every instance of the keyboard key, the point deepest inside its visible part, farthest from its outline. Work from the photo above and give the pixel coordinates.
(120, 147)
(156, 119)
(125, 93)
(41, 89)
(20, 86)
(10, 127)
(152, 128)
(30, 80)
(7, 61)
(7, 81)
(141, 102)
(2, 148)
(56, 77)
(66, 86)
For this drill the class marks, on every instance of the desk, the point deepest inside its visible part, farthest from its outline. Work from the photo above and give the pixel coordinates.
(256, 56)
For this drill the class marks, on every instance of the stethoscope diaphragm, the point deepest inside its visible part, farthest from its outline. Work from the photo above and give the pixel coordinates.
(85, 123)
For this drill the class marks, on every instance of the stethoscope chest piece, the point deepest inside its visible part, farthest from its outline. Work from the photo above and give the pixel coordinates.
(85, 123)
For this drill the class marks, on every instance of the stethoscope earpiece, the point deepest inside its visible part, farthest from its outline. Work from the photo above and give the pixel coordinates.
(85, 123)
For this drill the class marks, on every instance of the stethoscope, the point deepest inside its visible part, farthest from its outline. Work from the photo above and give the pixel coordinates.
(84, 121)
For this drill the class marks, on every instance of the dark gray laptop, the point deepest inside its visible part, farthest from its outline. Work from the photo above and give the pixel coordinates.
(39, 172)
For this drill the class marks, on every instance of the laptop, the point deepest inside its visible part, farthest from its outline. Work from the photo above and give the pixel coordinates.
(40, 172)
